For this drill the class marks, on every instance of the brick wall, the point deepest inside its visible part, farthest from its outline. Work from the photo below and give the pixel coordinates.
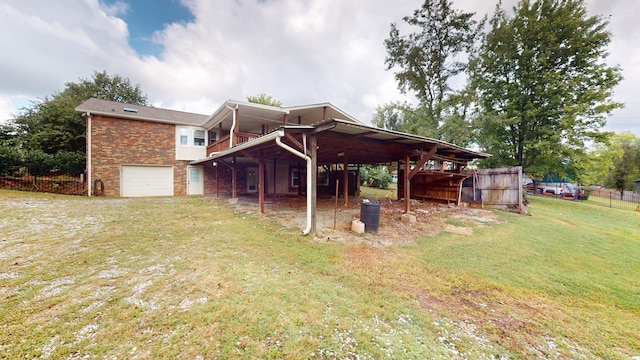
(117, 142)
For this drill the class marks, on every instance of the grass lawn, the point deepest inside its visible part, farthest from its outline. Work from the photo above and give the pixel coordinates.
(190, 278)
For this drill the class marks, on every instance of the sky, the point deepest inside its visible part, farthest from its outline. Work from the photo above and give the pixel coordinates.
(192, 55)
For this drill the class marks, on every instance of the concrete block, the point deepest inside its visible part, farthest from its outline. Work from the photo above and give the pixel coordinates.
(233, 201)
(408, 218)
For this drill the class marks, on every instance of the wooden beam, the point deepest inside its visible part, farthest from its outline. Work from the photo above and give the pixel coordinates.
(407, 182)
(217, 182)
(294, 141)
(261, 182)
(324, 127)
(345, 179)
(234, 173)
(422, 161)
(250, 156)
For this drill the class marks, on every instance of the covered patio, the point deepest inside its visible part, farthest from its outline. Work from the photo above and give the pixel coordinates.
(336, 145)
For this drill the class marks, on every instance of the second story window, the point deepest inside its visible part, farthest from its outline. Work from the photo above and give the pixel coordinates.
(198, 138)
(184, 136)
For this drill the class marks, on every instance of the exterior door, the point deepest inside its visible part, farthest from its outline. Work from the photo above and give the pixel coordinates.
(252, 180)
(195, 180)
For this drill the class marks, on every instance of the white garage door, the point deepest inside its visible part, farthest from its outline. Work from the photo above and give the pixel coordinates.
(146, 181)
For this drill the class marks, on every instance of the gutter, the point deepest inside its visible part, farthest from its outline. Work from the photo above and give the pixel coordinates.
(277, 135)
(233, 125)
(279, 142)
(89, 185)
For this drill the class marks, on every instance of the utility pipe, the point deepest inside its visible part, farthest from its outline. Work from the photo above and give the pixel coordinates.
(89, 130)
(233, 124)
(295, 152)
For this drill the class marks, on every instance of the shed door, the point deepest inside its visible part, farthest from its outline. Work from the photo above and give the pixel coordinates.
(136, 180)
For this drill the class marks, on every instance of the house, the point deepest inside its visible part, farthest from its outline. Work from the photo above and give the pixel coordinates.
(248, 149)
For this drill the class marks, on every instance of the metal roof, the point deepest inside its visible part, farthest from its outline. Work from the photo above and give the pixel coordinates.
(361, 144)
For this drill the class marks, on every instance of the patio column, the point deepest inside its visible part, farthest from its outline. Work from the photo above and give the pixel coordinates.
(406, 181)
(345, 179)
(261, 182)
(217, 179)
(233, 179)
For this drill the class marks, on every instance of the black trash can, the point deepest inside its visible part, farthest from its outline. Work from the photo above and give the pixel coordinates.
(370, 215)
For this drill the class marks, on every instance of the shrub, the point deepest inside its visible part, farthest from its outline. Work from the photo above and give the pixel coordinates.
(375, 176)
(69, 162)
(38, 162)
(10, 160)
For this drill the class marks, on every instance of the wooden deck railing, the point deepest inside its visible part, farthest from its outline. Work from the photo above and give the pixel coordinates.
(223, 143)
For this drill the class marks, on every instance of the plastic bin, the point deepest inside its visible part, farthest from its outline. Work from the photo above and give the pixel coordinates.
(370, 215)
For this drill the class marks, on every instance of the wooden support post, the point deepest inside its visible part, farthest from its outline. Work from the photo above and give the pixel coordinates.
(345, 179)
(399, 182)
(217, 180)
(407, 182)
(261, 182)
(313, 153)
(234, 174)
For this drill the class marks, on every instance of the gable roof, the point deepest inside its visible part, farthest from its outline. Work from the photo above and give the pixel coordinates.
(253, 115)
(137, 112)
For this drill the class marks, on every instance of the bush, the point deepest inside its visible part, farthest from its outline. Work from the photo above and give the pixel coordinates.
(375, 176)
(69, 162)
(10, 159)
(38, 162)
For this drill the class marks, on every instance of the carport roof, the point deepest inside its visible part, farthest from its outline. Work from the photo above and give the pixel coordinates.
(362, 144)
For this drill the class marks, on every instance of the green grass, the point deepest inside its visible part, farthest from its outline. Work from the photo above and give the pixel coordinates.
(613, 203)
(188, 277)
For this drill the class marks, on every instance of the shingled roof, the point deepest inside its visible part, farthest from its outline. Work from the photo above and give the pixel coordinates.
(137, 112)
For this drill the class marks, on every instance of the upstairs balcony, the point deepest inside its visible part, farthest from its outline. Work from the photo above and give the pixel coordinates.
(224, 141)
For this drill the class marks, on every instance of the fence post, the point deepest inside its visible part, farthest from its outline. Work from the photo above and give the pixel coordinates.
(610, 200)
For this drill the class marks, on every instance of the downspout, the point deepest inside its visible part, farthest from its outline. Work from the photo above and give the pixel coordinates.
(233, 125)
(295, 152)
(89, 186)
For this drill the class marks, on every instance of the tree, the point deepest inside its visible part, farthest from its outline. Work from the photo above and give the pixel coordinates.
(618, 161)
(52, 125)
(429, 58)
(543, 86)
(264, 99)
(401, 116)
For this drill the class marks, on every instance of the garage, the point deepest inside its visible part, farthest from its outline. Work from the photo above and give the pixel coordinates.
(138, 180)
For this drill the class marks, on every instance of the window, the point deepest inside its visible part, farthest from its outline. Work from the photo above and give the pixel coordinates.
(198, 138)
(294, 177)
(184, 136)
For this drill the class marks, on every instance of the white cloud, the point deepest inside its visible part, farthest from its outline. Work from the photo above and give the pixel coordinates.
(297, 51)
(7, 109)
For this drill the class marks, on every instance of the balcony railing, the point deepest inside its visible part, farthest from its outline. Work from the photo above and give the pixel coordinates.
(223, 143)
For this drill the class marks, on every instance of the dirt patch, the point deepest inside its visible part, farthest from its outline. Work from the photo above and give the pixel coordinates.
(392, 230)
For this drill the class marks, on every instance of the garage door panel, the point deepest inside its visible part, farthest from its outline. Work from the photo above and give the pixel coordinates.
(146, 180)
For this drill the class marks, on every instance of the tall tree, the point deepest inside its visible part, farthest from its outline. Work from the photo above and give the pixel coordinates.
(429, 58)
(544, 87)
(264, 99)
(617, 161)
(51, 125)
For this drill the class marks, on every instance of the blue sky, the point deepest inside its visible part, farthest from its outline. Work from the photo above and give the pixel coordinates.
(145, 17)
(192, 55)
